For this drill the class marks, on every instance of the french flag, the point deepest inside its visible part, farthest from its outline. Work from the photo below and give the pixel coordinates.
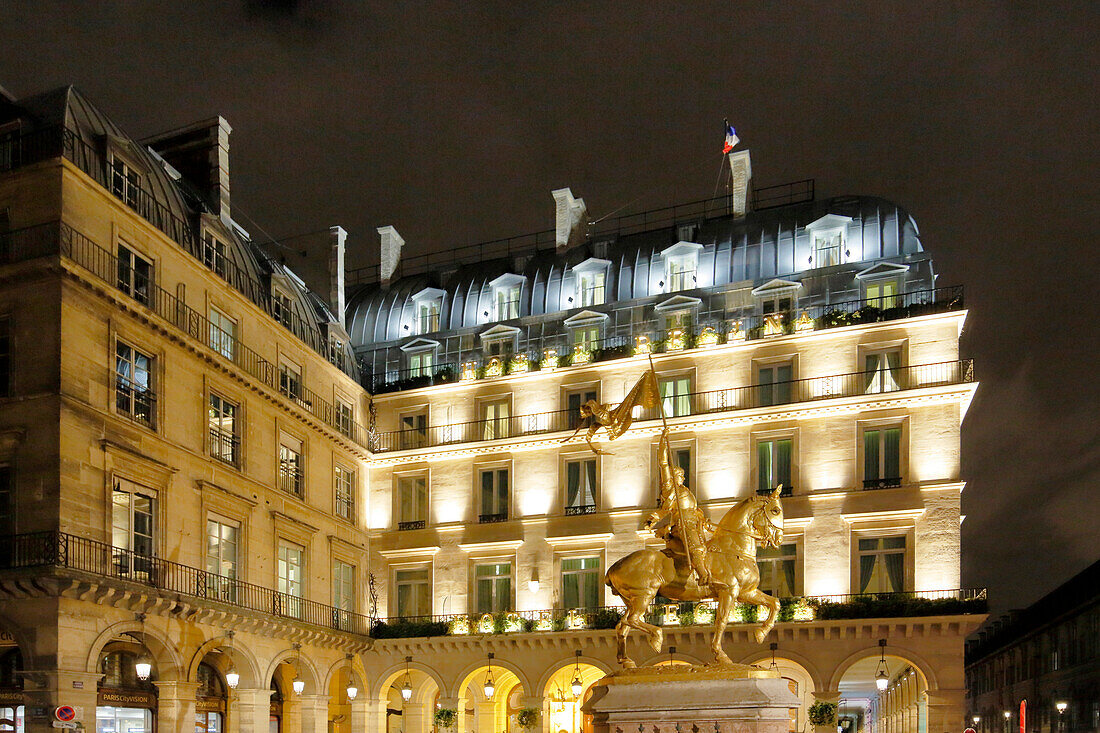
(731, 139)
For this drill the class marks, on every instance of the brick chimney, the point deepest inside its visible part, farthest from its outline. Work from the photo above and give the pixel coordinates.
(740, 181)
(570, 219)
(337, 237)
(200, 152)
(391, 253)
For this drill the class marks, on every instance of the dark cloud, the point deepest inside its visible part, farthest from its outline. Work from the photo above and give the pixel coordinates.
(453, 121)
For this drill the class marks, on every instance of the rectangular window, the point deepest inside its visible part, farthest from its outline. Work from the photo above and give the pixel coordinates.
(580, 582)
(494, 495)
(827, 248)
(882, 371)
(882, 458)
(777, 570)
(133, 521)
(222, 545)
(412, 502)
(882, 564)
(592, 289)
(580, 486)
(345, 417)
(777, 304)
(343, 592)
(774, 384)
(573, 401)
(125, 182)
(681, 274)
(676, 396)
(414, 593)
(336, 355)
(290, 465)
(213, 254)
(681, 321)
(507, 302)
(503, 347)
(414, 430)
(682, 457)
(7, 513)
(291, 575)
(773, 464)
(5, 357)
(135, 274)
(223, 334)
(427, 316)
(420, 364)
(494, 587)
(222, 421)
(494, 416)
(134, 395)
(290, 380)
(280, 308)
(588, 338)
(344, 479)
(883, 294)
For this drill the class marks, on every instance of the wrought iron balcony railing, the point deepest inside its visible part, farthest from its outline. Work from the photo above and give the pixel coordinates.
(69, 552)
(854, 384)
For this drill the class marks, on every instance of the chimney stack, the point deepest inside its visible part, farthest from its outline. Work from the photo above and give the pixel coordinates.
(200, 152)
(336, 272)
(570, 219)
(740, 181)
(391, 253)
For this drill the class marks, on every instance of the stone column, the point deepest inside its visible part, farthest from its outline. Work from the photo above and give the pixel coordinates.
(313, 712)
(250, 710)
(485, 716)
(415, 717)
(44, 691)
(176, 706)
(374, 711)
(538, 703)
(946, 710)
(360, 714)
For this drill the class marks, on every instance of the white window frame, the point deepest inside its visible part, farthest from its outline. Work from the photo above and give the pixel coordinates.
(291, 464)
(507, 295)
(132, 390)
(504, 511)
(130, 559)
(598, 572)
(223, 333)
(582, 462)
(832, 230)
(424, 586)
(403, 482)
(344, 487)
(233, 435)
(223, 586)
(510, 602)
(495, 415)
(287, 584)
(215, 254)
(128, 263)
(904, 532)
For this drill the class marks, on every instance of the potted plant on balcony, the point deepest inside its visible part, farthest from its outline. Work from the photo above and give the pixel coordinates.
(527, 718)
(445, 718)
(823, 716)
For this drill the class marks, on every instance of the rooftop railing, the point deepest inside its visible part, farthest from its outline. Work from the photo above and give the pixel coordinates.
(853, 384)
(54, 142)
(57, 238)
(70, 552)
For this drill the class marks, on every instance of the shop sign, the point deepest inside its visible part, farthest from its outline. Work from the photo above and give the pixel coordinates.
(11, 695)
(127, 698)
(209, 705)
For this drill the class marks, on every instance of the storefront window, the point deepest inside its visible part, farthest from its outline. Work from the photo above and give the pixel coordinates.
(109, 719)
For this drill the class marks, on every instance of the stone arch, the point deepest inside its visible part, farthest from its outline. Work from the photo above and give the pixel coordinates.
(556, 667)
(359, 673)
(22, 640)
(387, 676)
(906, 654)
(247, 664)
(304, 666)
(468, 673)
(678, 657)
(169, 661)
(794, 658)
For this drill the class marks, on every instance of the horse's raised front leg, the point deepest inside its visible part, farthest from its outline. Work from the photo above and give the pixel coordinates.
(760, 598)
(721, 619)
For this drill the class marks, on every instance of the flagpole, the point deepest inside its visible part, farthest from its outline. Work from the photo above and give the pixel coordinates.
(660, 397)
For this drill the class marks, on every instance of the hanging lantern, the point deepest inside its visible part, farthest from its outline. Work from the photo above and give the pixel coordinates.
(298, 684)
(143, 667)
(576, 684)
(882, 675)
(352, 692)
(490, 686)
(232, 678)
(773, 666)
(406, 686)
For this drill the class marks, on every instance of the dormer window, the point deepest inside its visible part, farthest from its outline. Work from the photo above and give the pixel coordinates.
(280, 307)
(214, 254)
(427, 305)
(882, 284)
(681, 266)
(500, 341)
(420, 355)
(828, 240)
(125, 181)
(777, 297)
(591, 286)
(507, 290)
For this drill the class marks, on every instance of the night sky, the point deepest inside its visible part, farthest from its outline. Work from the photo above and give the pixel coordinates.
(453, 122)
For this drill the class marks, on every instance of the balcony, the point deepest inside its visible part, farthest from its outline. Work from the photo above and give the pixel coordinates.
(412, 524)
(66, 552)
(225, 446)
(572, 511)
(853, 384)
(882, 483)
(715, 328)
(492, 518)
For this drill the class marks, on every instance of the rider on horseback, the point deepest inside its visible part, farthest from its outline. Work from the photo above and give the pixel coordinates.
(678, 520)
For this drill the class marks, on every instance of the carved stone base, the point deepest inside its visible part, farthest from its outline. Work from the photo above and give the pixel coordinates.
(737, 699)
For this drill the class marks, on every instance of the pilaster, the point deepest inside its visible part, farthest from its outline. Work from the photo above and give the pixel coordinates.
(176, 706)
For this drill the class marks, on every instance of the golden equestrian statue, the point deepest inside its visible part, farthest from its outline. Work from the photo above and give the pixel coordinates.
(701, 560)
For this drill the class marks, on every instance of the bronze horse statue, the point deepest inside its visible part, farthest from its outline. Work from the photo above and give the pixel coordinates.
(731, 556)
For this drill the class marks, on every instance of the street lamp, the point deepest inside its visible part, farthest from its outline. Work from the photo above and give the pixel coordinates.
(406, 686)
(882, 675)
(490, 686)
(298, 684)
(1061, 705)
(143, 666)
(576, 684)
(232, 676)
(352, 689)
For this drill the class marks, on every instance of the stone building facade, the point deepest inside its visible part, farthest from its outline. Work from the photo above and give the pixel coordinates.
(290, 508)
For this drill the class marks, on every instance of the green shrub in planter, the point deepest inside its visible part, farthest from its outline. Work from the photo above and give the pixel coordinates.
(527, 718)
(823, 713)
(446, 718)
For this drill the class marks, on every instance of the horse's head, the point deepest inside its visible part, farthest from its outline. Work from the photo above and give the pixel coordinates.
(767, 520)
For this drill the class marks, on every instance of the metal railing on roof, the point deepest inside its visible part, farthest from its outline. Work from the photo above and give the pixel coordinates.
(53, 142)
(62, 550)
(854, 384)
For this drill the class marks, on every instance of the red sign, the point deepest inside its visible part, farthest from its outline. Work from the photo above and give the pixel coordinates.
(970, 730)
(1023, 716)
(64, 713)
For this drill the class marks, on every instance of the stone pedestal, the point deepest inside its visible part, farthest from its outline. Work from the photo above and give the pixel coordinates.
(738, 699)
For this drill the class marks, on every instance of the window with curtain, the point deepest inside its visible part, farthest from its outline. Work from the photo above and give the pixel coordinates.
(592, 288)
(777, 569)
(420, 364)
(133, 522)
(343, 588)
(222, 421)
(587, 337)
(494, 495)
(414, 592)
(427, 316)
(827, 248)
(223, 334)
(882, 564)
(681, 273)
(412, 502)
(507, 302)
(344, 492)
(676, 396)
(580, 582)
(774, 384)
(773, 464)
(580, 486)
(883, 294)
(291, 569)
(222, 543)
(290, 464)
(494, 587)
(495, 419)
(134, 395)
(135, 274)
(882, 371)
(573, 401)
(881, 457)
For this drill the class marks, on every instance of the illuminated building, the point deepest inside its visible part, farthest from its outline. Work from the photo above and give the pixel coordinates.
(197, 475)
